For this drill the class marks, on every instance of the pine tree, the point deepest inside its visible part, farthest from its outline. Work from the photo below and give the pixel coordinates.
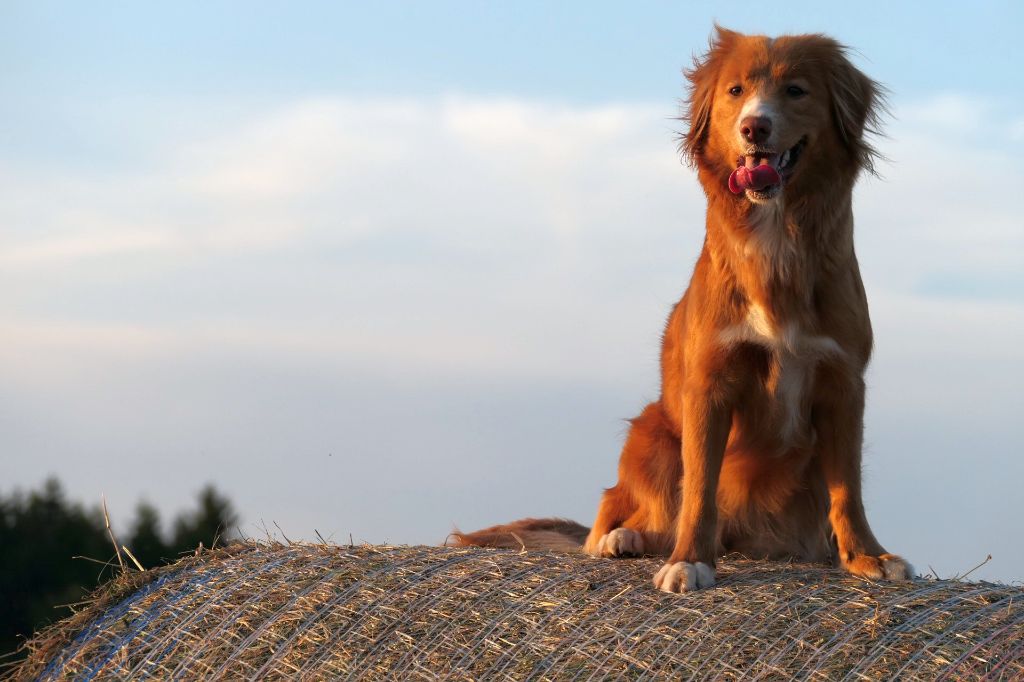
(146, 541)
(213, 521)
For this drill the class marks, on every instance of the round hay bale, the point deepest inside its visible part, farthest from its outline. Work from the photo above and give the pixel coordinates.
(324, 612)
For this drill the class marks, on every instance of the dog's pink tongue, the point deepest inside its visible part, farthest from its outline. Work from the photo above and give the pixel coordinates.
(756, 178)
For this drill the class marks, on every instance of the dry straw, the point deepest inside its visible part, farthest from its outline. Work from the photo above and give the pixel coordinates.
(301, 611)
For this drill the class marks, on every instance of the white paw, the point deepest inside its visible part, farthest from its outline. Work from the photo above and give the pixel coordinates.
(886, 566)
(621, 542)
(683, 576)
(896, 568)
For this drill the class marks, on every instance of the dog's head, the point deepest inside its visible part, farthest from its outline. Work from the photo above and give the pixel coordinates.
(774, 116)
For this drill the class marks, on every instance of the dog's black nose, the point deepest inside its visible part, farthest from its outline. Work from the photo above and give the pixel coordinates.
(756, 129)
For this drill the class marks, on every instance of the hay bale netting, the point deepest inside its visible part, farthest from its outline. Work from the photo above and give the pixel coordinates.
(323, 612)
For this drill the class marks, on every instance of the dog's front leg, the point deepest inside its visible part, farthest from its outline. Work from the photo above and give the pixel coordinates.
(705, 432)
(839, 427)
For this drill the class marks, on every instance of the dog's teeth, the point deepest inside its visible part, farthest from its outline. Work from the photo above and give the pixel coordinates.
(785, 158)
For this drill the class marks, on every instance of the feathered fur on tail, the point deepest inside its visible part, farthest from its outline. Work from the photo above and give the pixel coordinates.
(560, 535)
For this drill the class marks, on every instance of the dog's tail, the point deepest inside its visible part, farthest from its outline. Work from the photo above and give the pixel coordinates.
(560, 535)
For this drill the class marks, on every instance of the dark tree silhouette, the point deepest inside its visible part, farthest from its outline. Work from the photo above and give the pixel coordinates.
(41, 533)
(146, 540)
(211, 522)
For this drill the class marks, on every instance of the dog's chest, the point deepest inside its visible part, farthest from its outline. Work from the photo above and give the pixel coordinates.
(793, 355)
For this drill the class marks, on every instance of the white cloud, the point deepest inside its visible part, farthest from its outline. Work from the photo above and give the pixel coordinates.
(455, 206)
(378, 210)
(306, 148)
(940, 212)
(60, 250)
(1017, 130)
(453, 168)
(946, 113)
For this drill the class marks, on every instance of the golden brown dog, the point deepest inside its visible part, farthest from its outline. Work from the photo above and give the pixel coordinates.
(755, 443)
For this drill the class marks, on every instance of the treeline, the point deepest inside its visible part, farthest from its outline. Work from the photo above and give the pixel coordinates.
(54, 551)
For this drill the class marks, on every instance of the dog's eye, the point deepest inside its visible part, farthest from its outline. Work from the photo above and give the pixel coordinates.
(795, 91)
(736, 90)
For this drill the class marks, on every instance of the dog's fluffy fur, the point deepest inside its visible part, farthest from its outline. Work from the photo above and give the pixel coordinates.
(755, 443)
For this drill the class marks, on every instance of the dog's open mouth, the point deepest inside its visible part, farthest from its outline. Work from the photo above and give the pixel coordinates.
(761, 172)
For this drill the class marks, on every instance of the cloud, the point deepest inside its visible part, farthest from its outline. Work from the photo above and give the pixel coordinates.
(302, 150)
(459, 215)
(454, 169)
(462, 214)
(937, 223)
(1017, 130)
(948, 112)
(61, 250)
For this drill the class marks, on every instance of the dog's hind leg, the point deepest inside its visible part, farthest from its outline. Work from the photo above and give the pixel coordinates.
(636, 516)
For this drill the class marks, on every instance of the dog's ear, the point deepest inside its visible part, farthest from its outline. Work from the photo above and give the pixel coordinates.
(703, 78)
(858, 104)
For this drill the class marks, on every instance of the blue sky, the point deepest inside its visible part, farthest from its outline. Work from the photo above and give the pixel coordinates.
(385, 268)
(580, 52)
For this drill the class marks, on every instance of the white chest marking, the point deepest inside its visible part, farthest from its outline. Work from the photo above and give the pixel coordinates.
(794, 356)
(769, 241)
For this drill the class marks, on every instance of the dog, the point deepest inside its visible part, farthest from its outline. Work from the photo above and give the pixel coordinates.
(755, 443)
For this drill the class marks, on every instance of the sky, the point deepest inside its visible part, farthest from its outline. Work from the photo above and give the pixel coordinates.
(384, 269)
